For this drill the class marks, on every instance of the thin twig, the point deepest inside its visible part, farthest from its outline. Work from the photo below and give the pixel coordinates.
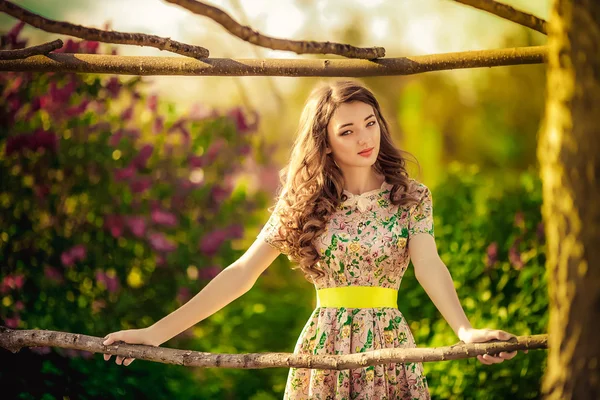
(144, 65)
(43, 48)
(509, 13)
(66, 28)
(298, 46)
(14, 340)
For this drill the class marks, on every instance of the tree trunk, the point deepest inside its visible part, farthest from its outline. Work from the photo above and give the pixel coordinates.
(569, 152)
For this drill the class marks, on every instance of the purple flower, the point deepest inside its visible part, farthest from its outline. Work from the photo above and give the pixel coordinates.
(153, 103)
(137, 225)
(211, 242)
(114, 223)
(40, 139)
(141, 184)
(62, 95)
(12, 322)
(116, 138)
(127, 114)
(12, 35)
(163, 218)
(109, 282)
(158, 125)
(196, 161)
(79, 109)
(219, 193)
(141, 159)
(236, 231)
(53, 274)
(90, 47)
(492, 254)
(159, 242)
(183, 295)
(11, 282)
(126, 173)
(514, 256)
(214, 149)
(113, 86)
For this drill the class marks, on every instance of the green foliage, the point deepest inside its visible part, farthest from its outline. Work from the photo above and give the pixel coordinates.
(101, 229)
(498, 289)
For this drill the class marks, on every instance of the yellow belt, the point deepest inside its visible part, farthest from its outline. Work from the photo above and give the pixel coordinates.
(357, 297)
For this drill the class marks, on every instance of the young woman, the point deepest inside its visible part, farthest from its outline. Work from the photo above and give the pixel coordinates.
(351, 218)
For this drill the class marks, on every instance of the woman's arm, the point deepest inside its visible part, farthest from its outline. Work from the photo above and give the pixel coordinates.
(434, 277)
(227, 286)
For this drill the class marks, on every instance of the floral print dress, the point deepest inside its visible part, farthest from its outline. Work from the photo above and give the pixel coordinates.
(365, 244)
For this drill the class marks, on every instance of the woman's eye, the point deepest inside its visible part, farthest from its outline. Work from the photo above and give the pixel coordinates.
(371, 123)
(343, 133)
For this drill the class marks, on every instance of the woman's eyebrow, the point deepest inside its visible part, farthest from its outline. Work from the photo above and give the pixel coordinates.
(350, 123)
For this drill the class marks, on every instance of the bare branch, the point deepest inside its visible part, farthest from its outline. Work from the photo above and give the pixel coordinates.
(137, 65)
(509, 13)
(300, 47)
(14, 340)
(44, 48)
(66, 28)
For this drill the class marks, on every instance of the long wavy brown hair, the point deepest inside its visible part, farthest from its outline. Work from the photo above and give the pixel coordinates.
(312, 184)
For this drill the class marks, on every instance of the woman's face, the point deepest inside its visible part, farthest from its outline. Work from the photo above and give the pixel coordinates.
(352, 128)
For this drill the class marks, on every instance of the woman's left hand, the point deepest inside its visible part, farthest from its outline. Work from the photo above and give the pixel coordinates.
(485, 335)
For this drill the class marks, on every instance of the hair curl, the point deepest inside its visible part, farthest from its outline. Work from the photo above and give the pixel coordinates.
(311, 183)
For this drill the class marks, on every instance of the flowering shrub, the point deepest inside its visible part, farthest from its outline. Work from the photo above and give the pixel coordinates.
(106, 191)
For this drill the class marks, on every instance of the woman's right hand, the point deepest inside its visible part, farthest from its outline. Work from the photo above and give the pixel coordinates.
(130, 336)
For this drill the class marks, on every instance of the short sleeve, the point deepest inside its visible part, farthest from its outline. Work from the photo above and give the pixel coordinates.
(421, 216)
(270, 231)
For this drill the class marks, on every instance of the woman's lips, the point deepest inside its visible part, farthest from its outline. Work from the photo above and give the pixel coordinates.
(366, 153)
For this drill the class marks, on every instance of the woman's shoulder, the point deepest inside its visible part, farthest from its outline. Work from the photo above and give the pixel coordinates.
(416, 186)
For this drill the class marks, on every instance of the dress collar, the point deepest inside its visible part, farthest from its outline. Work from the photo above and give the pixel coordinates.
(362, 201)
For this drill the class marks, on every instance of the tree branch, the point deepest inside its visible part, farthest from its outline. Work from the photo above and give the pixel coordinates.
(300, 47)
(509, 13)
(138, 65)
(14, 340)
(44, 48)
(65, 28)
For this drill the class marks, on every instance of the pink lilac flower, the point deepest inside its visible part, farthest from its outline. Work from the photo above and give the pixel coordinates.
(122, 174)
(183, 295)
(127, 113)
(162, 217)
(53, 274)
(158, 125)
(140, 184)
(492, 254)
(113, 86)
(159, 242)
(137, 225)
(78, 252)
(40, 139)
(114, 223)
(153, 103)
(211, 242)
(196, 161)
(141, 159)
(111, 283)
(214, 149)
(12, 322)
(220, 193)
(514, 255)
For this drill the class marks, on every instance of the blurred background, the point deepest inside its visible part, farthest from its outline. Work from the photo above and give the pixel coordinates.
(121, 197)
